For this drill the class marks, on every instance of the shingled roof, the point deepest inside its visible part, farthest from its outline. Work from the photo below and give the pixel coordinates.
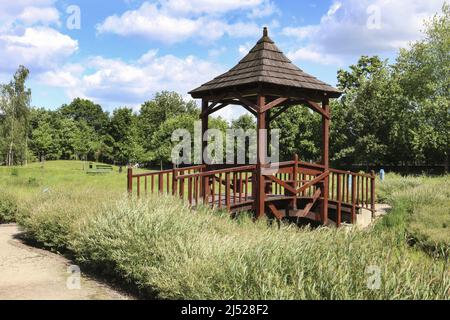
(265, 63)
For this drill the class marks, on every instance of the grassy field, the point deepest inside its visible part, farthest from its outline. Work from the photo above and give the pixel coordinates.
(164, 250)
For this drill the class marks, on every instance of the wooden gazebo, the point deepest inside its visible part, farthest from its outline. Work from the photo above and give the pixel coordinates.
(266, 84)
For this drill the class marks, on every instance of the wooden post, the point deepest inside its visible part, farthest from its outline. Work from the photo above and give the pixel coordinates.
(294, 183)
(130, 180)
(372, 193)
(204, 118)
(325, 159)
(339, 201)
(353, 198)
(174, 180)
(261, 161)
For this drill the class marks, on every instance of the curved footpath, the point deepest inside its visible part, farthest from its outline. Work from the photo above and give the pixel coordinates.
(29, 273)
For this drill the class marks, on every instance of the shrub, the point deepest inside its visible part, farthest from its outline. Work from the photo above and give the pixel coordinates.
(8, 208)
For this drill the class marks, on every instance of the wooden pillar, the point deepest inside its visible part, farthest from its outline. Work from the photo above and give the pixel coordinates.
(204, 117)
(130, 180)
(261, 160)
(325, 159)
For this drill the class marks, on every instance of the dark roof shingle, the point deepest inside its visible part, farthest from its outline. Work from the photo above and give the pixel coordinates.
(265, 63)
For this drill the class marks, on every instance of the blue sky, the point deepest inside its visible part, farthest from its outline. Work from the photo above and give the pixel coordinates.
(126, 50)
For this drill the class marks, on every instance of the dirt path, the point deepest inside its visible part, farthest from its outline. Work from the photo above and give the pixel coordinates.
(30, 273)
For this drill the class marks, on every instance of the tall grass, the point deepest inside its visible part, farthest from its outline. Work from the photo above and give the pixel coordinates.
(421, 208)
(165, 250)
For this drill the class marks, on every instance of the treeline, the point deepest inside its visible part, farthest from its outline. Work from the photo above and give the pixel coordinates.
(389, 114)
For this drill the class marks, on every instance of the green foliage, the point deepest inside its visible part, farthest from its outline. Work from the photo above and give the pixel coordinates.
(14, 118)
(162, 247)
(421, 209)
(8, 208)
(300, 133)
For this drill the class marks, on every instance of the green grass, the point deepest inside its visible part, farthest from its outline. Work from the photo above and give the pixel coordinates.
(165, 250)
(421, 208)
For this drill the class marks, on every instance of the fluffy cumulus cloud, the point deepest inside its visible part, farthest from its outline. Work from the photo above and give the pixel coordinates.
(171, 21)
(117, 82)
(38, 48)
(28, 36)
(356, 27)
(27, 12)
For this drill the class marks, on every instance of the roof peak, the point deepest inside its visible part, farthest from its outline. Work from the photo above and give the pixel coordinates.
(267, 64)
(265, 36)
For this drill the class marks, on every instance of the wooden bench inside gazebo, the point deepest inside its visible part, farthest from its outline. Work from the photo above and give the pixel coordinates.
(266, 84)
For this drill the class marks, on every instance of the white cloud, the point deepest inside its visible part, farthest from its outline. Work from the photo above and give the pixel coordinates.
(209, 6)
(115, 82)
(32, 15)
(344, 31)
(37, 47)
(27, 12)
(267, 8)
(245, 48)
(312, 55)
(178, 20)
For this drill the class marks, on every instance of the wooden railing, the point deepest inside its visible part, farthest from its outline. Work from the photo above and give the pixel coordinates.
(231, 187)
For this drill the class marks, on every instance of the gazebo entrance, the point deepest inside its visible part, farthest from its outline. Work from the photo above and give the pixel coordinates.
(266, 84)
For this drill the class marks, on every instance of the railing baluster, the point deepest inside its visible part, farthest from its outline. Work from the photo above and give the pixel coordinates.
(220, 190)
(234, 187)
(240, 186)
(196, 188)
(213, 191)
(246, 186)
(190, 191)
(367, 192)
(353, 199)
(227, 191)
(145, 184)
(339, 201)
(138, 186)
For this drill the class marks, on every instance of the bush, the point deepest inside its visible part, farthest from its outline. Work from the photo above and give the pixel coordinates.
(8, 208)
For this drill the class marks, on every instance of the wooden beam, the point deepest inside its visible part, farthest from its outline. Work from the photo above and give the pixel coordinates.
(272, 104)
(261, 160)
(248, 103)
(313, 181)
(275, 211)
(221, 106)
(310, 204)
(282, 183)
(316, 107)
(279, 112)
(325, 157)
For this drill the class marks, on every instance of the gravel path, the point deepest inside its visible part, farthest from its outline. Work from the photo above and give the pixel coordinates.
(29, 273)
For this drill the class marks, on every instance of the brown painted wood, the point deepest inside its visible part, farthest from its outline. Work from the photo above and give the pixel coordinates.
(353, 199)
(261, 161)
(272, 104)
(339, 201)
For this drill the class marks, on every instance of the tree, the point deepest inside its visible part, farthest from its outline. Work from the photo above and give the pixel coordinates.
(423, 73)
(164, 106)
(300, 133)
(14, 107)
(42, 140)
(123, 131)
(87, 111)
